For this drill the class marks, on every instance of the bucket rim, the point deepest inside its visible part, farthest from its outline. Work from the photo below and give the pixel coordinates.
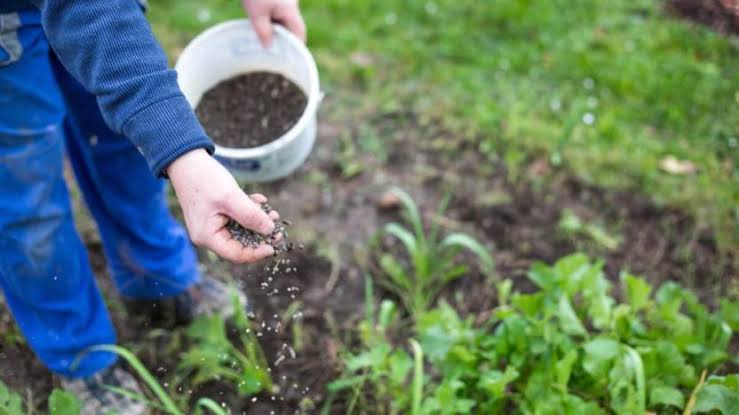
(314, 95)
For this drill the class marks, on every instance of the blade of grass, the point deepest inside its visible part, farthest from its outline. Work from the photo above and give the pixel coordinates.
(211, 405)
(435, 228)
(369, 298)
(417, 377)
(411, 210)
(465, 241)
(143, 372)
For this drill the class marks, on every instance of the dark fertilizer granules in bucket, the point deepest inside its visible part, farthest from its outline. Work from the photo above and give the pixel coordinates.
(253, 239)
(252, 109)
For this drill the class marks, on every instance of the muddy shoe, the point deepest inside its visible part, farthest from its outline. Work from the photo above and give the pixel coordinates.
(207, 297)
(96, 397)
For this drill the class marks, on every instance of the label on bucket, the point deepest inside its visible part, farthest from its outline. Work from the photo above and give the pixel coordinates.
(250, 165)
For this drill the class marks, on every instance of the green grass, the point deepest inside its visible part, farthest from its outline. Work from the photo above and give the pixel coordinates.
(518, 77)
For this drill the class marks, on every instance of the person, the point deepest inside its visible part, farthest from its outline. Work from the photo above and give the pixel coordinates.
(89, 77)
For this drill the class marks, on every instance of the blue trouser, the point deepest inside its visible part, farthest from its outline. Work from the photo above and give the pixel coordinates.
(44, 270)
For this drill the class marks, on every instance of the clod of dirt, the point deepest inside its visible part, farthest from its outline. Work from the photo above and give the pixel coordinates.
(251, 110)
(388, 201)
(253, 239)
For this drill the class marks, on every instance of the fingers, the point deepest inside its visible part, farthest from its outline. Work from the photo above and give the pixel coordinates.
(290, 17)
(228, 248)
(248, 214)
(258, 198)
(261, 199)
(263, 26)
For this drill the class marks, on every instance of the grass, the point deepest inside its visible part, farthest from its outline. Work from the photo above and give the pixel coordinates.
(607, 89)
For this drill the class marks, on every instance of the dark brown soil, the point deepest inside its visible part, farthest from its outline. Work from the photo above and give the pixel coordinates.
(251, 109)
(721, 15)
(326, 310)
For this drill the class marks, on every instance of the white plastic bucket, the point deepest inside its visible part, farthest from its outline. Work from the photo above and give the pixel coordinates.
(232, 48)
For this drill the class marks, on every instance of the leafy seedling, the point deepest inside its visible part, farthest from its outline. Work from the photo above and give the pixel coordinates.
(432, 260)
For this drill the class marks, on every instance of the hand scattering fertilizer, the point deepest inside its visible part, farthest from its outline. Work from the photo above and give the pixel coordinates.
(253, 239)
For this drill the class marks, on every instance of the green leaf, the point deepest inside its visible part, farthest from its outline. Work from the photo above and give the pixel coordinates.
(413, 215)
(599, 356)
(568, 320)
(571, 271)
(143, 373)
(542, 275)
(399, 364)
(465, 241)
(730, 313)
(417, 390)
(504, 291)
(447, 400)
(405, 236)
(713, 397)
(211, 405)
(495, 381)
(345, 383)
(730, 381)
(396, 272)
(388, 314)
(10, 402)
(637, 291)
(63, 403)
(564, 368)
(667, 396)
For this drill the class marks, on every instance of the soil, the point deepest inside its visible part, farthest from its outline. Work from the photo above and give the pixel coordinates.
(516, 214)
(251, 110)
(324, 313)
(721, 15)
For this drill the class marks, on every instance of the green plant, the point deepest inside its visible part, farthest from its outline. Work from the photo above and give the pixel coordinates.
(347, 160)
(63, 403)
(432, 261)
(60, 403)
(570, 347)
(572, 226)
(10, 402)
(214, 356)
(165, 403)
(378, 367)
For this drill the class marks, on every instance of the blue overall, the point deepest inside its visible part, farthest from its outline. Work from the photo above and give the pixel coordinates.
(44, 269)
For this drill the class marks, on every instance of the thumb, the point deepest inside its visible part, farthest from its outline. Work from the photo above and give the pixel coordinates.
(248, 214)
(263, 27)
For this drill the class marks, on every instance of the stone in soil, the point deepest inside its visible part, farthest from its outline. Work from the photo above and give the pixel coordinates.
(252, 109)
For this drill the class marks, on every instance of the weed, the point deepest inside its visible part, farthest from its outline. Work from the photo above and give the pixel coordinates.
(432, 261)
(572, 226)
(60, 403)
(213, 355)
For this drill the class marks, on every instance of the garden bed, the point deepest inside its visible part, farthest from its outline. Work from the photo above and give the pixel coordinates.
(541, 215)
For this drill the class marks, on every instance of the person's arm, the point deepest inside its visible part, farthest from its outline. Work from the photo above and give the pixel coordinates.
(108, 46)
